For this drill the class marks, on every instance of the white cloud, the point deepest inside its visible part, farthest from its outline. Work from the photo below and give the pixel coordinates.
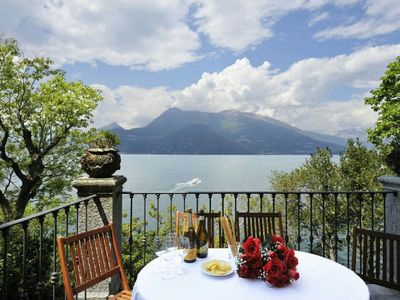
(139, 34)
(329, 117)
(381, 17)
(152, 35)
(318, 18)
(305, 95)
(131, 106)
(346, 2)
(239, 24)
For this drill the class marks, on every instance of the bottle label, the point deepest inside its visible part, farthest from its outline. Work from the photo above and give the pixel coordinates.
(203, 249)
(191, 255)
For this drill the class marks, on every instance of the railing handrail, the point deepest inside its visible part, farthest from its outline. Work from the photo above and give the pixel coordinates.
(7, 225)
(257, 192)
(41, 214)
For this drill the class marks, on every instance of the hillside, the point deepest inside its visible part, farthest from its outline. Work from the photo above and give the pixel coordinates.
(227, 132)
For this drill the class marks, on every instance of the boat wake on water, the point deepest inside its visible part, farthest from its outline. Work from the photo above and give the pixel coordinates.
(180, 185)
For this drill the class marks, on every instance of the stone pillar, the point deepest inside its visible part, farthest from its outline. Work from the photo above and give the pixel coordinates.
(108, 209)
(392, 208)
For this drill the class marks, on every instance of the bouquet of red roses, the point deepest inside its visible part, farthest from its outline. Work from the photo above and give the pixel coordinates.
(271, 261)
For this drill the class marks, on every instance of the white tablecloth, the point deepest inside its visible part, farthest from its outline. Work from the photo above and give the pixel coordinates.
(320, 278)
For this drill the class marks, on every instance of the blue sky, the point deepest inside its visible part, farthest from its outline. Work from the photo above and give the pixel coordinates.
(309, 63)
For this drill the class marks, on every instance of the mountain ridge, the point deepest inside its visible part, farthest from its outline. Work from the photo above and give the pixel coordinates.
(227, 132)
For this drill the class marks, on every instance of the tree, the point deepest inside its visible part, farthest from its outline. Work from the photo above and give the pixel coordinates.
(41, 121)
(357, 170)
(386, 101)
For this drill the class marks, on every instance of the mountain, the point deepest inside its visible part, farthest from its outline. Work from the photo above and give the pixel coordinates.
(227, 132)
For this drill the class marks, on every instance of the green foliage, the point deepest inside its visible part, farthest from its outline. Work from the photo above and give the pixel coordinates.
(357, 170)
(42, 117)
(34, 279)
(319, 173)
(386, 101)
(103, 139)
(135, 257)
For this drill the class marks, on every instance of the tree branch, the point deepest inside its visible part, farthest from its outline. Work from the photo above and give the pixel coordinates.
(7, 185)
(27, 136)
(3, 155)
(5, 206)
(55, 142)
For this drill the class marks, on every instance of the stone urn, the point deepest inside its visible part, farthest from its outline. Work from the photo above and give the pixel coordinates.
(100, 162)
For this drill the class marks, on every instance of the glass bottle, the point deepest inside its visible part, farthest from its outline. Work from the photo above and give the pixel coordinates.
(191, 235)
(202, 237)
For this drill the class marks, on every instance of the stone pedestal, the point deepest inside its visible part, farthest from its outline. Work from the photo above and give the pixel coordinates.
(107, 209)
(392, 208)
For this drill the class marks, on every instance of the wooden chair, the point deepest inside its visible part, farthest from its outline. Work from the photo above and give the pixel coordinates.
(378, 260)
(94, 257)
(258, 225)
(216, 239)
(212, 221)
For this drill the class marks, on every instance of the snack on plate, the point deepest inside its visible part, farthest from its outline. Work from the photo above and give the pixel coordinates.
(217, 267)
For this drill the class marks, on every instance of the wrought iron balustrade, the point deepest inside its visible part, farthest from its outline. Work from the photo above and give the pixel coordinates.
(317, 222)
(40, 282)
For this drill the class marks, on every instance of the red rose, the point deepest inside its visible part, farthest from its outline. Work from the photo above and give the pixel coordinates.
(281, 248)
(274, 267)
(253, 262)
(293, 274)
(279, 239)
(279, 281)
(251, 246)
(246, 272)
(271, 254)
(290, 260)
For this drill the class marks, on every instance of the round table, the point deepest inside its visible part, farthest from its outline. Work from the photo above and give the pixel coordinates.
(320, 278)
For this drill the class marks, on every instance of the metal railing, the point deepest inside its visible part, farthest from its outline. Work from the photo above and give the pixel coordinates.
(316, 222)
(16, 284)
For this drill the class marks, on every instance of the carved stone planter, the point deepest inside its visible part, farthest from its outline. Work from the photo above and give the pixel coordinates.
(100, 163)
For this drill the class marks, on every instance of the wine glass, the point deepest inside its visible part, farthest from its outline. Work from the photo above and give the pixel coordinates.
(158, 251)
(231, 250)
(170, 236)
(183, 246)
(169, 251)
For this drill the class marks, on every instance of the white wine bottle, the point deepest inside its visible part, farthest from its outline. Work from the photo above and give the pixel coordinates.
(202, 237)
(191, 235)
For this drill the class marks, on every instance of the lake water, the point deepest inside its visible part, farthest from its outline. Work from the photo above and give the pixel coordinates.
(203, 173)
(214, 172)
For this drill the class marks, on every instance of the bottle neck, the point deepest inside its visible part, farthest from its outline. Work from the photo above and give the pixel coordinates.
(189, 221)
(202, 223)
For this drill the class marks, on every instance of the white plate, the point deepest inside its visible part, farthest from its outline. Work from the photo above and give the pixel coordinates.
(204, 270)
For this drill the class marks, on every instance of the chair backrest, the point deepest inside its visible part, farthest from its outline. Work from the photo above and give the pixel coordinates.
(213, 226)
(259, 224)
(378, 258)
(94, 256)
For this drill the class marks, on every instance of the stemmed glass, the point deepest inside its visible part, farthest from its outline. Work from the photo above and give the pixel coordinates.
(183, 246)
(170, 236)
(169, 250)
(158, 251)
(231, 250)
